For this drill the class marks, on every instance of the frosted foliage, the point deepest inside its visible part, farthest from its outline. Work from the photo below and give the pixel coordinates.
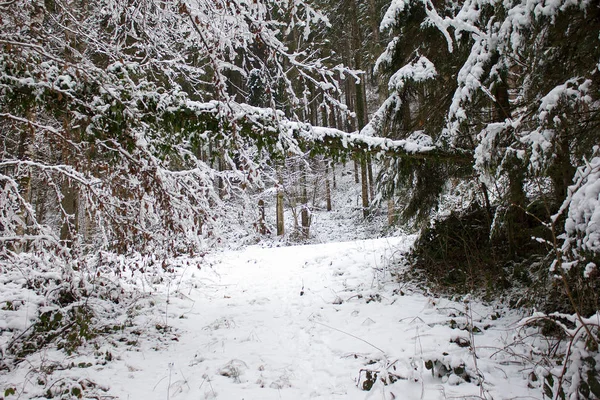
(571, 91)
(394, 9)
(418, 71)
(469, 82)
(540, 141)
(377, 122)
(420, 138)
(505, 37)
(583, 219)
(122, 117)
(385, 59)
(487, 142)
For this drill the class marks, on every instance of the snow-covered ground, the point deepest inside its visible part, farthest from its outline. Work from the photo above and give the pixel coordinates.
(274, 321)
(305, 322)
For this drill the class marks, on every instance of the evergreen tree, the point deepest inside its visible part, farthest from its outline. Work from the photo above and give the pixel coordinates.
(510, 83)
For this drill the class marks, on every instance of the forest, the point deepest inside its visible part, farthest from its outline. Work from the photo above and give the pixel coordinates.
(142, 139)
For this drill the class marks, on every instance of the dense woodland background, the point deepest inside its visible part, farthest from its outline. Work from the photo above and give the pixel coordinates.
(149, 127)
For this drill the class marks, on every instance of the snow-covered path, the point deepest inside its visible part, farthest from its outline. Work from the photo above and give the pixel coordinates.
(301, 322)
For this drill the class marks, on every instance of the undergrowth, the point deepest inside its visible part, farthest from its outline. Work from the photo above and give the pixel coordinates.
(462, 254)
(61, 316)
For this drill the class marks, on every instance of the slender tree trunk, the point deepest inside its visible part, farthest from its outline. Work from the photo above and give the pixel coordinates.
(391, 212)
(502, 106)
(361, 120)
(486, 199)
(338, 118)
(221, 184)
(279, 208)
(304, 214)
(374, 24)
(69, 205)
(360, 101)
(365, 189)
(333, 174)
(325, 119)
(262, 226)
(562, 170)
(24, 150)
(314, 109)
(327, 187)
(517, 199)
(70, 195)
(371, 182)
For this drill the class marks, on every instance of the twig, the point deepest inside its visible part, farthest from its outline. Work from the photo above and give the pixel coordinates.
(349, 334)
(480, 377)
(169, 385)
(185, 379)
(167, 305)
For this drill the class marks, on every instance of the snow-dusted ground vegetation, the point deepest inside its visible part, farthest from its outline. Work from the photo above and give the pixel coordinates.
(297, 322)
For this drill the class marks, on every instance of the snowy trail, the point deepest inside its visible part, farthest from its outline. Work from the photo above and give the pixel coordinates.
(293, 323)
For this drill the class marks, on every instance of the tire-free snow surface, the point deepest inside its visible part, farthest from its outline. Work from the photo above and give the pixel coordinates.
(302, 322)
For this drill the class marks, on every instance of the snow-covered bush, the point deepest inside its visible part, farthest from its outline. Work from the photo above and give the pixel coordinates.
(572, 367)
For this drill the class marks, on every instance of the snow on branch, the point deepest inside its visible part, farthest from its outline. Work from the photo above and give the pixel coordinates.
(297, 137)
(582, 227)
(417, 71)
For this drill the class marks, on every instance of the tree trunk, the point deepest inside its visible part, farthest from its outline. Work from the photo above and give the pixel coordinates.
(304, 214)
(391, 212)
(516, 215)
(561, 171)
(360, 102)
(280, 221)
(327, 187)
(365, 188)
(370, 170)
(262, 226)
(502, 105)
(69, 205)
(333, 174)
(374, 24)
(70, 195)
(279, 208)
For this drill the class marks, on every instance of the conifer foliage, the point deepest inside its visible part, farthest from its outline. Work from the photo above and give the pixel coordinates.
(516, 84)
